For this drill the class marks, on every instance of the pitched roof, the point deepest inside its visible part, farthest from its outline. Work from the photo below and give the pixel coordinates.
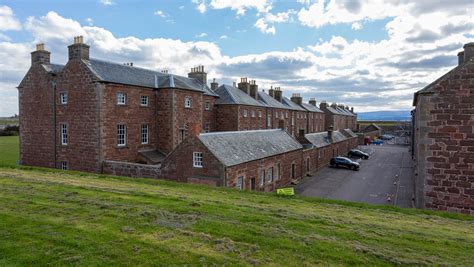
(291, 105)
(333, 110)
(53, 68)
(348, 132)
(232, 95)
(233, 148)
(270, 101)
(321, 139)
(118, 73)
(372, 127)
(337, 136)
(311, 108)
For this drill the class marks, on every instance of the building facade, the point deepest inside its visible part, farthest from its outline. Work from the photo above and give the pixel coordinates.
(93, 115)
(443, 139)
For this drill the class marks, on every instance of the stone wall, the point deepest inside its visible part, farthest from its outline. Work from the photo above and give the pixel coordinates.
(121, 168)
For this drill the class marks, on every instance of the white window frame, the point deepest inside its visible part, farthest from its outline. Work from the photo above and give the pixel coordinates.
(245, 113)
(261, 181)
(144, 134)
(292, 120)
(240, 183)
(276, 115)
(64, 134)
(287, 115)
(121, 98)
(63, 97)
(259, 114)
(207, 105)
(144, 100)
(64, 165)
(188, 102)
(270, 174)
(121, 135)
(269, 121)
(253, 113)
(197, 160)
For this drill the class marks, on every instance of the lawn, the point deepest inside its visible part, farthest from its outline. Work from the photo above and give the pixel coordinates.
(71, 218)
(9, 150)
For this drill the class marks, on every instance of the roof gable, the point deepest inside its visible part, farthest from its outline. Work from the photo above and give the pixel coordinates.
(233, 148)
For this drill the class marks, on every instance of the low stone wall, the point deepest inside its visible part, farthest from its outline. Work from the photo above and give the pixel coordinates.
(121, 168)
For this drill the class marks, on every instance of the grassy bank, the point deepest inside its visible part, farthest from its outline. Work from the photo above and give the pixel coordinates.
(9, 150)
(51, 217)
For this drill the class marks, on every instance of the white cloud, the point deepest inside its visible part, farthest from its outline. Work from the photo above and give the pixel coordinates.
(223, 37)
(89, 21)
(356, 26)
(241, 6)
(201, 35)
(266, 24)
(200, 5)
(160, 13)
(107, 2)
(8, 20)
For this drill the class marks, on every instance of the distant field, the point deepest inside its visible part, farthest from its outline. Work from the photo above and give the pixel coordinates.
(9, 150)
(379, 123)
(9, 121)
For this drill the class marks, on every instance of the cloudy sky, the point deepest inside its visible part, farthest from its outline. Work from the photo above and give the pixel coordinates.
(364, 53)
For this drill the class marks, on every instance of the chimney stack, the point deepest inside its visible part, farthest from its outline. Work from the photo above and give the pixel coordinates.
(323, 105)
(40, 56)
(278, 94)
(330, 130)
(460, 58)
(271, 92)
(244, 85)
(468, 52)
(254, 89)
(312, 101)
(352, 109)
(199, 74)
(79, 50)
(296, 98)
(214, 85)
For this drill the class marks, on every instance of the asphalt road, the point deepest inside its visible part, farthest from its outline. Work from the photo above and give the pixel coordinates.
(385, 178)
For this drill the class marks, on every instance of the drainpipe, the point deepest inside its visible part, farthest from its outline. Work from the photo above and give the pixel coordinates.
(54, 125)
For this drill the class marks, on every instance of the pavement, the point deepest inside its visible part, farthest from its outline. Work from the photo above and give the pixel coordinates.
(385, 178)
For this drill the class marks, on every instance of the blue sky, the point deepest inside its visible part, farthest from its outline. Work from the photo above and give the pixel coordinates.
(364, 53)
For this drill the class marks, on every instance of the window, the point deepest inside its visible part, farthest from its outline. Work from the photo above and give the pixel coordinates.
(64, 165)
(144, 133)
(197, 159)
(183, 134)
(259, 114)
(121, 98)
(121, 135)
(253, 113)
(269, 121)
(287, 115)
(245, 113)
(207, 105)
(63, 134)
(277, 172)
(63, 98)
(276, 115)
(292, 120)
(262, 177)
(144, 99)
(207, 128)
(293, 170)
(240, 183)
(187, 102)
(270, 174)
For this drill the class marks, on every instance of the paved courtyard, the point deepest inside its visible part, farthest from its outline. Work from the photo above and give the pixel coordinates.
(385, 178)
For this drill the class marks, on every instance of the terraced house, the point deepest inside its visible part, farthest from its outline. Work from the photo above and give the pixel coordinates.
(99, 116)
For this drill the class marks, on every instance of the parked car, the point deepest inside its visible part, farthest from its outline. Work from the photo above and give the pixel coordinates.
(387, 137)
(344, 162)
(356, 153)
(377, 142)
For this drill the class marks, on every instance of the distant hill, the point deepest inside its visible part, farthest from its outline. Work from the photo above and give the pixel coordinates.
(398, 115)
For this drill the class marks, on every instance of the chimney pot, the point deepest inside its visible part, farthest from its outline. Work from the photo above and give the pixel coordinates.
(78, 50)
(40, 56)
(330, 131)
(312, 101)
(468, 52)
(199, 74)
(214, 85)
(278, 94)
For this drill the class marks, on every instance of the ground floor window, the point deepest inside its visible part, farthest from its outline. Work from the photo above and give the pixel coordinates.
(197, 159)
(240, 183)
(262, 177)
(270, 174)
(144, 133)
(293, 171)
(121, 135)
(64, 165)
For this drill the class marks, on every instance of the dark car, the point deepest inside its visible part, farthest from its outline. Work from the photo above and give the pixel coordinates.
(356, 153)
(344, 162)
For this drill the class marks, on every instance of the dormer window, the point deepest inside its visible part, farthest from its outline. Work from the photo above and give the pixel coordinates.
(187, 102)
(121, 98)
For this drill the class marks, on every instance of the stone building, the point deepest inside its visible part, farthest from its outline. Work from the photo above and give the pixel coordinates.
(99, 116)
(339, 117)
(443, 139)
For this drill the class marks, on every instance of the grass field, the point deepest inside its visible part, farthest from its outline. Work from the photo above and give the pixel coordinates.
(9, 150)
(9, 121)
(71, 218)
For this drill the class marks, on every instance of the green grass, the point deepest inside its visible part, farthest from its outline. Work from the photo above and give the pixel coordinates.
(9, 150)
(72, 218)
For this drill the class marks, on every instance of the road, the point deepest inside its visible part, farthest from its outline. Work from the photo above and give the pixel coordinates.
(385, 178)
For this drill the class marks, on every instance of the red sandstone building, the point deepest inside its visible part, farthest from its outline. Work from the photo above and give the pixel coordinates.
(98, 116)
(443, 139)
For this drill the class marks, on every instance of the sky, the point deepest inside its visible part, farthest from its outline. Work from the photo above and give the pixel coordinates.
(369, 54)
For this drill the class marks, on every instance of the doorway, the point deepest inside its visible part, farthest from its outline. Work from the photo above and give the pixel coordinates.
(252, 183)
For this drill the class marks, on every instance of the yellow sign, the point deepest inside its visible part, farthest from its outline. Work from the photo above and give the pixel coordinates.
(288, 191)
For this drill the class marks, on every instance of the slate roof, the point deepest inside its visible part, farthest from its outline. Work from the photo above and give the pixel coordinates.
(118, 73)
(53, 68)
(333, 110)
(372, 127)
(291, 105)
(349, 133)
(270, 101)
(232, 95)
(233, 148)
(337, 136)
(321, 139)
(311, 108)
